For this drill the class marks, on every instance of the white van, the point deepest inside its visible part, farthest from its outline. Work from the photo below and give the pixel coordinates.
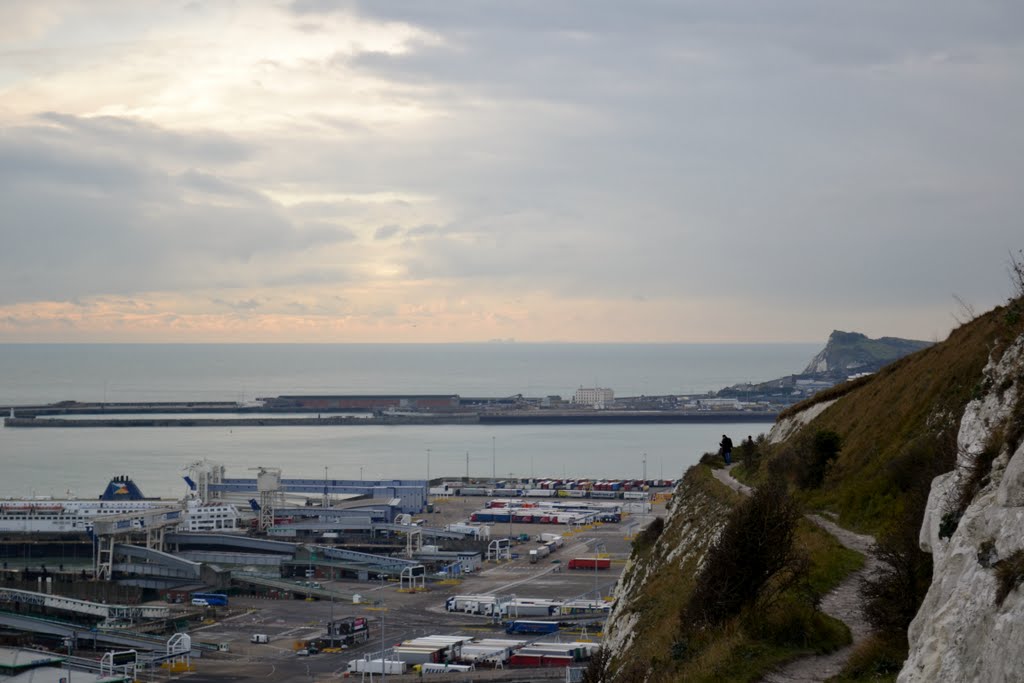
(259, 638)
(200, 602)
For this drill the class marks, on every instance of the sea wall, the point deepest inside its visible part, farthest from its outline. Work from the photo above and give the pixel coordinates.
(425, 418)
(960, 632)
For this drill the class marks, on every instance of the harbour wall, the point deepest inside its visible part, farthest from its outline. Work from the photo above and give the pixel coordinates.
(508, 418)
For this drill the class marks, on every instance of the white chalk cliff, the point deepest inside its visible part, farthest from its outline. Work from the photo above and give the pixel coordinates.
(960, 633)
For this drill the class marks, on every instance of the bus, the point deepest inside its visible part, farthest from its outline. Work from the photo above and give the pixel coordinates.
(212, 599)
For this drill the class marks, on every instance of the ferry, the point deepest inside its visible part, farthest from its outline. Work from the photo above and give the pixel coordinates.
(121, 496)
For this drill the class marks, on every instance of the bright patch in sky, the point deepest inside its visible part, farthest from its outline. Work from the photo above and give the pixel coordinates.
(404, 170)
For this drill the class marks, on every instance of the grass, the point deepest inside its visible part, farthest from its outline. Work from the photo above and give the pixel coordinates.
(879, 659)
(831, 562)
(908, 402)
(699, 506)
(746, 647)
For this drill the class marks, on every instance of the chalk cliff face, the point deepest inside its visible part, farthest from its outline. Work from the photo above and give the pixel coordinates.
(960, 633)
(850, 352)
(789, 426)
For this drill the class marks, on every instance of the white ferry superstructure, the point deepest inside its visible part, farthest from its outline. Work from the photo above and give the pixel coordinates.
(76, 515)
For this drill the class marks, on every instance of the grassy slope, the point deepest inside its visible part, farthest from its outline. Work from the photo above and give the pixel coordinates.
(736, 652)
(699, 503)
(883, 417)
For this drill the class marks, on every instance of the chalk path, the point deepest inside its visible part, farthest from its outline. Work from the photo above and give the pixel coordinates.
(843, 602)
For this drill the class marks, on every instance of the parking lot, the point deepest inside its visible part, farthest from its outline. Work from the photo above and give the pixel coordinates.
(395, 616)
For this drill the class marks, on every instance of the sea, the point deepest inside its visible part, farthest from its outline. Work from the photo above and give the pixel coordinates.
(57, 462)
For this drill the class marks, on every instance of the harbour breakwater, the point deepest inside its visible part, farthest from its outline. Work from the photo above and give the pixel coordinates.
(504, 418)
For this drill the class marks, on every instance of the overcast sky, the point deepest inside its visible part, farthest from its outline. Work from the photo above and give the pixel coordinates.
(466, 170)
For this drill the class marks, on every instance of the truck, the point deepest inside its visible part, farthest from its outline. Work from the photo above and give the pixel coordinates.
(553, 540)
(438, 668)
(211, 599)
(376, 666)
(259, 638)
(347, 631)
(527, 626)
(532, 607)
(590, 563)
(472, 604)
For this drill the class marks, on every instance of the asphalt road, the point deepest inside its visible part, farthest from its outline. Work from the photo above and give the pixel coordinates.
(402, 615)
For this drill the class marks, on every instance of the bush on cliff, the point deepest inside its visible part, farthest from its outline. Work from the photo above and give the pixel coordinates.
(754, 560)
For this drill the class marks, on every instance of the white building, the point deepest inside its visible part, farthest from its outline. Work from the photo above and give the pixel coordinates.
(719, 404)
(596, 397)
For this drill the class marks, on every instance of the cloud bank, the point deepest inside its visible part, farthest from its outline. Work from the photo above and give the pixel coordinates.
(414, 171)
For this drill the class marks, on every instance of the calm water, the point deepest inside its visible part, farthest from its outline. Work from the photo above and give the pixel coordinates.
(50, 461)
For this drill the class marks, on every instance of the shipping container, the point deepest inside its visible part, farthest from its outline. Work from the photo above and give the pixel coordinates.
(590, 563)
(418, 655)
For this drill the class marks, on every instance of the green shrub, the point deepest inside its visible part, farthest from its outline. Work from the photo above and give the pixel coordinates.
(649, 535)
(754, 559)
(596, 667)
(824, 448)
(879, 658)
(894, 592)
(794, 622)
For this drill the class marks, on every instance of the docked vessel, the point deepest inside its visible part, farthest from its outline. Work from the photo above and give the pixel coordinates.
(121, 496)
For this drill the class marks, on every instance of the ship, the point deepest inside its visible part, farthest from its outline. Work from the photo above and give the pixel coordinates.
(42, 515)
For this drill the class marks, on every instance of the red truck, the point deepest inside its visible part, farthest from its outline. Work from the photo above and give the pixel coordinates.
(590, 563)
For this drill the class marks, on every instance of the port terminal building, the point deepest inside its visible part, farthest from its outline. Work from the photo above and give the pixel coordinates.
(431, 402)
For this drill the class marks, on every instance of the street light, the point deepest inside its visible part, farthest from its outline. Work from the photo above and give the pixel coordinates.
(510, 527)
(494, 472)
(383, 661)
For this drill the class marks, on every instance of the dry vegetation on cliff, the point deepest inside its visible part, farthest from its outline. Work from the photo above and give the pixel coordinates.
(674, 577)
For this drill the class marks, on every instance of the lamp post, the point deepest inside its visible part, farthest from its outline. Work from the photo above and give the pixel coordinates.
(383, 661)
(494, 468)
(428, 472)
(510, 527)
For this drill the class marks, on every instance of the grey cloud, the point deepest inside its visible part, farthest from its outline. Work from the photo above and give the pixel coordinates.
(422, 231)
(81, 218)
(799, 154)
(214, 185)
(315, 233)
(243, 305)
(385, 232)
(148, 139)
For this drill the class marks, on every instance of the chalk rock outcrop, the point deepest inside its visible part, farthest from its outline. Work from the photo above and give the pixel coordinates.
(960, 633)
